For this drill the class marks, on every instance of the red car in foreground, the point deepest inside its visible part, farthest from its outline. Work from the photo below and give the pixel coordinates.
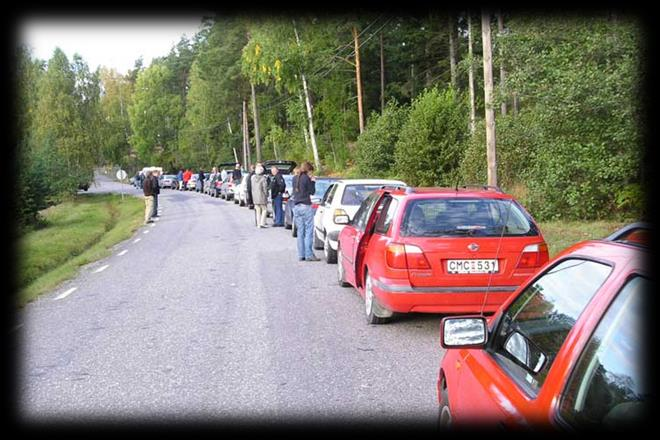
(568, 350)
(438, 250)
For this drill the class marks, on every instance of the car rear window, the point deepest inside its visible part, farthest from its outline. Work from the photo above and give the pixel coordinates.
(442, 217)
(355, 194)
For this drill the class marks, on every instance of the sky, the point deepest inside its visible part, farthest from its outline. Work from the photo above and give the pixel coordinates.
(114, 43)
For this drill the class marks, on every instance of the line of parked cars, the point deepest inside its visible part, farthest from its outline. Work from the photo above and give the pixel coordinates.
(529, 341)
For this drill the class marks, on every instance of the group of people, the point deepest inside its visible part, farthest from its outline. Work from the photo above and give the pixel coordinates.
(258, 186)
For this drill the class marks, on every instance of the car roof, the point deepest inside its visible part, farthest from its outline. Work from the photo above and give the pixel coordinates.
(612, 250)
(371, 182)
(444, 192)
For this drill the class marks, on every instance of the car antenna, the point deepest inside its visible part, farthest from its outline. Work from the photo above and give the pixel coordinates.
(497, 255)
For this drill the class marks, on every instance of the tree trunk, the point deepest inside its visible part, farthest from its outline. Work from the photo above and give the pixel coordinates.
(412, 81)
(452, 49)
(308, 104)
(358, 80)
(500, 28)
(382, 76)
(255, 118)
(471, 77)
(488, 99)
(245, 161)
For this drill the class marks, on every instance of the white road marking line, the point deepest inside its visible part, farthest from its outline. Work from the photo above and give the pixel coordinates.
(122, 252)
(102, 268)
(136, 240)
(146, 232)
(65, 294)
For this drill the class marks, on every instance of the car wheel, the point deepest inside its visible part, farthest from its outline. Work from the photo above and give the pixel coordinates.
(317, 244)
(444, 414)
(374, 311)
(341, 276)
(330, 254)
(235, 201)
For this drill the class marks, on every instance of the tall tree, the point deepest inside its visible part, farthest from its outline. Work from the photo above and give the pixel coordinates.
(488, 98)
(471, 75)
(358, 79)
(500, 34)
(451, 26)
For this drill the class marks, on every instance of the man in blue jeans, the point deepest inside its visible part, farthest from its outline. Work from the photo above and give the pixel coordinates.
(303, 213)
(277, 188)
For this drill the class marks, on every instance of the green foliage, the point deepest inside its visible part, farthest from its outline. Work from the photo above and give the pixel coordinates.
(430, 146)
(375, 146)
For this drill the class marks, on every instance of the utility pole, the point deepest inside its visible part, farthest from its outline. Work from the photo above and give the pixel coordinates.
(471, 76)
(500, 29)
(358, 79)
(308, 104)
(245, 142)
(452, 49)
(382, 76)
(255, 118)
(488, 98)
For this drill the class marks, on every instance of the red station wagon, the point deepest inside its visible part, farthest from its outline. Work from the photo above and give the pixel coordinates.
(438, 250)
(568, 350)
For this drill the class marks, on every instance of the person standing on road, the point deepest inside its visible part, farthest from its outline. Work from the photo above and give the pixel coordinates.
(200, 181)
(277, 188)
(304, 186)
(248, 191)
(148, 190)
(156, 184)
(186, 177)
(260, 195)
(179, 178)
(236, 173)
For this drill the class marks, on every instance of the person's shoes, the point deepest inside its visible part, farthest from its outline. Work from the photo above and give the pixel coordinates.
(314, 258)
(150, 221)
(263, 226)
(156, 215)
(301, 258)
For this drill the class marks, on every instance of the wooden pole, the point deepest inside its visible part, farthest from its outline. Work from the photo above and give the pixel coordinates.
(382, 76)
(488, 99)
(471, 77)
(358, 79)
(255, 118)
(452, 49)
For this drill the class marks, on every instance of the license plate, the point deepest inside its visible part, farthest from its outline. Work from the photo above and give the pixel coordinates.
(472, 266)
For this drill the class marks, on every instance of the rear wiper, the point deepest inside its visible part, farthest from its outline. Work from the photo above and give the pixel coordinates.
(451, 232)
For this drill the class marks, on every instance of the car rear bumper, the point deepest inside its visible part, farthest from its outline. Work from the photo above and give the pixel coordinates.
(404, 298)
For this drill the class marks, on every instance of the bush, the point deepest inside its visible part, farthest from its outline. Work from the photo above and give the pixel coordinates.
(375, 146)
(430, 147)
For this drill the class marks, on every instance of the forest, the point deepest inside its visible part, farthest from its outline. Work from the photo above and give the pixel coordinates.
(359, 95)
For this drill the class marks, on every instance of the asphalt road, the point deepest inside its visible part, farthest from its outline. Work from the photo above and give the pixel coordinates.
(204, 317)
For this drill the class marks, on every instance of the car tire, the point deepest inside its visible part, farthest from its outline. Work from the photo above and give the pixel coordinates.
(444, 413)
(317, 244)
(371, 306)
(329, 253)
(235, 201)
(341, 276)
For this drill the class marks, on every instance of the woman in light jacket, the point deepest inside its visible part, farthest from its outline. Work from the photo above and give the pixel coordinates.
(259, 187)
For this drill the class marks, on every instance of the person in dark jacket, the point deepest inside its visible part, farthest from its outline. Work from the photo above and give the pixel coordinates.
(199, 185)
(148, 190)
(156, 185)
(277, 188)
(236, 174)
(248, 192)
(304, 186)
(179, 179)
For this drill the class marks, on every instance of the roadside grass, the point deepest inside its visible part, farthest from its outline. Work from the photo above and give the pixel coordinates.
(74, 233)
(561, 234)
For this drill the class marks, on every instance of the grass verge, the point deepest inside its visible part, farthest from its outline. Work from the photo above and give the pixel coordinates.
(76, 233)
(561, 234)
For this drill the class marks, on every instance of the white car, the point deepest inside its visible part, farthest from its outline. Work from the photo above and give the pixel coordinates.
(338, 206)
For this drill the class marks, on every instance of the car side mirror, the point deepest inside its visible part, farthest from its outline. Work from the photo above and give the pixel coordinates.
(524, 352)
(463, 332)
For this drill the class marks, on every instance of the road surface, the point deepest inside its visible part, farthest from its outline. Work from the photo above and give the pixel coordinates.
(204, 317)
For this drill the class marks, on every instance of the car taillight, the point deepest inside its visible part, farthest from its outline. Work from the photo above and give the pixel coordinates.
(315, 205)
(395, 256)
(405, 256)
(533, 255)
(340, 215)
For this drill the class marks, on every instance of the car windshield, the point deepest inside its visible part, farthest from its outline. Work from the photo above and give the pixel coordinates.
(321, 187)
(355, 194)
(442, 217)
